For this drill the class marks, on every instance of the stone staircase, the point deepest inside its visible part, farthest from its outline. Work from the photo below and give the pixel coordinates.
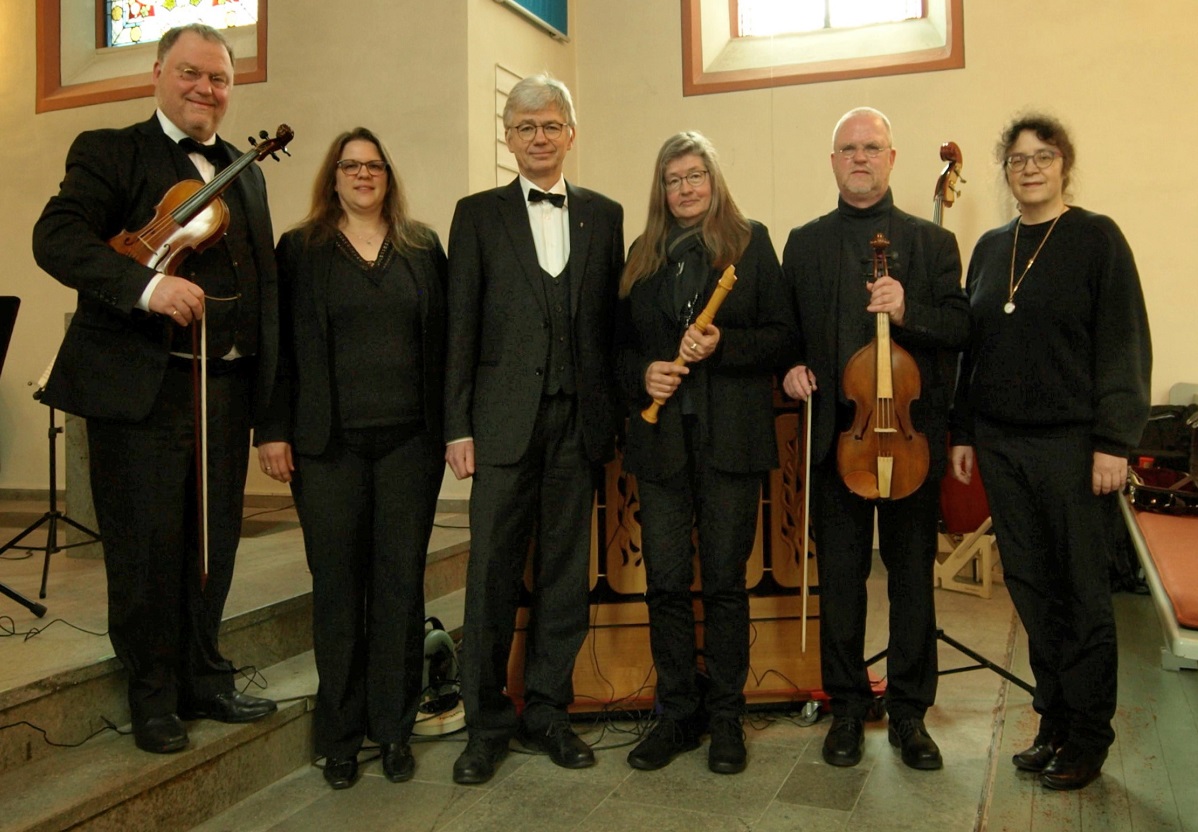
(106, 783)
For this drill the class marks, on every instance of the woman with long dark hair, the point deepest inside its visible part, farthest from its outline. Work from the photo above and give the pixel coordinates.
(356, 429)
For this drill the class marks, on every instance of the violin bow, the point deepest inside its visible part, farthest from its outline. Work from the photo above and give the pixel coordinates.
(806, 515)
(199, 381)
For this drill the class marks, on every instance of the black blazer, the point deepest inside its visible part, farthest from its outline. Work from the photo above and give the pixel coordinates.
(499, 321)
(301, 411)
(935, 326)
(732, 389)
(114, 356)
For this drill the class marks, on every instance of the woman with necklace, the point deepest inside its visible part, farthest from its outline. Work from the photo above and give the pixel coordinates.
(701, 465)
(356, 428)
(1052, 394)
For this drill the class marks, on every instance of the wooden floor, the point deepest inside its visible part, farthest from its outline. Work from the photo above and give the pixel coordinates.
(1148, 784)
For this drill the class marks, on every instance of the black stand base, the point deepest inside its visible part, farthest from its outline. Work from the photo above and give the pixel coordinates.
(51, 517)
(982, 662)
(33, 606)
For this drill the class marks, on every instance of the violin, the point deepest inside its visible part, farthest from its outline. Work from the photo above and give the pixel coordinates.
(191, 216)
(881, 456)
(946, 186)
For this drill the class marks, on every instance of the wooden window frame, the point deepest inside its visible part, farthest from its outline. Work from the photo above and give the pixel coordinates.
(696, 80)
(52, 94)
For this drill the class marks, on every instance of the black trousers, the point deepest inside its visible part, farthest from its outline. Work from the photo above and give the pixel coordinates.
(843, 526)
(724, 507)
(552, 489)
(1051, 532)
(367, 512)
(163, 627)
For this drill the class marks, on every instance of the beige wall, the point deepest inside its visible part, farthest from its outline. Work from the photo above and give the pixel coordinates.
(422, 74)
(1118, 73)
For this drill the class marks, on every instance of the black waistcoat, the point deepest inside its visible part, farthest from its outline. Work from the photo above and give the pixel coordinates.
(559, 373)
(227, 270)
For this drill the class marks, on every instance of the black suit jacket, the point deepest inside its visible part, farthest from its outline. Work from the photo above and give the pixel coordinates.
(732, 389)
(114, 356)
(499, 321)
(935, 326)
(301, 411)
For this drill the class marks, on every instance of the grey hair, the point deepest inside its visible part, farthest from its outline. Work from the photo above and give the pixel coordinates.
(206, 32)
(539, 92)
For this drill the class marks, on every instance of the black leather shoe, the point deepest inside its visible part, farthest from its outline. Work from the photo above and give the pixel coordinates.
(845, 741)
(1038, 755)
(667, 739)
(341, 772)
(727, 755)
(559, 741)
(230, 706)
(1073, 768)
(398, 763)
(477, 763)
(160, 734)
(919, 749)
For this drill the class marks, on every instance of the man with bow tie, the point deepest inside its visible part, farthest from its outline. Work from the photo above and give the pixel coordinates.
(126, 365)
(530, 414)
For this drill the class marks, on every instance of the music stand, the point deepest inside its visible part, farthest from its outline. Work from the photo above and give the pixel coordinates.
(965, 507)
(53, 516)
(8, 319)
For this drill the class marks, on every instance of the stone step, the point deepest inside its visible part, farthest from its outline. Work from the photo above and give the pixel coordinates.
(74, 703)
(110, 785)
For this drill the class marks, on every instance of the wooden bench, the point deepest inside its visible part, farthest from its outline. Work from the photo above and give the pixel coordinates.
(1167, 546)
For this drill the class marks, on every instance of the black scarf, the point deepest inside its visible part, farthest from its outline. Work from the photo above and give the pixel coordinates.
(688, 264)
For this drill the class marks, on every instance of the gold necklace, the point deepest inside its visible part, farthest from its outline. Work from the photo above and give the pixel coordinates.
(1013, 284)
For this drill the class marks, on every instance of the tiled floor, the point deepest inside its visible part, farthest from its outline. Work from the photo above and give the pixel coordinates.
(1147, 784)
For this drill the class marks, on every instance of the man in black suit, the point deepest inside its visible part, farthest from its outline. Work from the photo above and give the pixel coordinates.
(530, 414)
(827, 263)
(122, 365)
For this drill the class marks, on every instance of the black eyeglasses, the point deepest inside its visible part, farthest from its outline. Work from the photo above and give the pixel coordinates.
(1043, 158)
(528, 131)
(350, 167)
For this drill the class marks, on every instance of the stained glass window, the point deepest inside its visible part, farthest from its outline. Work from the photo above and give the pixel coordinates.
(130, 22)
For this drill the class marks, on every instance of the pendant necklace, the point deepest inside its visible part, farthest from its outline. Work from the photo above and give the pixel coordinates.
(1013, 284)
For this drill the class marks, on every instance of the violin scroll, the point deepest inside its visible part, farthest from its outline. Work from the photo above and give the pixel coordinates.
(270, 147)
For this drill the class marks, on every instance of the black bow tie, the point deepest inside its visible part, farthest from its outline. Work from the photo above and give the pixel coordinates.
(556, 200)
(214, 153)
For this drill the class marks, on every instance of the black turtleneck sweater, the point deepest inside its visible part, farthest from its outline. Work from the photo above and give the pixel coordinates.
(859, 225)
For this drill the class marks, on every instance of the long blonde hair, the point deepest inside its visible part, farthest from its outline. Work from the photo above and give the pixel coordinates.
(725, 230)
(324, 217)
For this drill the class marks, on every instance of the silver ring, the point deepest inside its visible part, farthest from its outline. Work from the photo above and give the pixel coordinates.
(694, 346)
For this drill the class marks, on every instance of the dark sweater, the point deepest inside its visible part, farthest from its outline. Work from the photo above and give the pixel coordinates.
(1076, 349)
